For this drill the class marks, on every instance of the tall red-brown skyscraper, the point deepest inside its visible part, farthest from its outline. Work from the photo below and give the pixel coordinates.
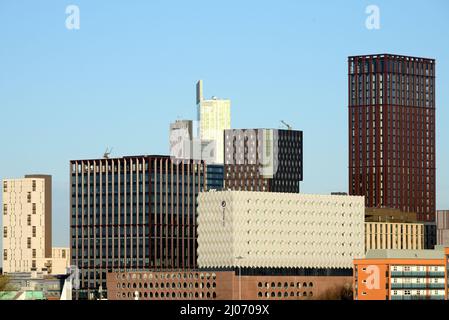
(392, 132)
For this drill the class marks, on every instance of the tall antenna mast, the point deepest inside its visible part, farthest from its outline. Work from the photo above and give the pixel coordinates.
(107, 153)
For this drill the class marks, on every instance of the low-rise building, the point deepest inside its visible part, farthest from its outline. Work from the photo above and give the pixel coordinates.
(402, 275)
(219, 285)
(34, 286)
(385, 235)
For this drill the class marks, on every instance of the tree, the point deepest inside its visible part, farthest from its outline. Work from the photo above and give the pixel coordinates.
(338, 292)
(4, 283)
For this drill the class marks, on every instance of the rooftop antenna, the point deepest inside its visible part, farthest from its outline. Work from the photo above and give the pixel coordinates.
(107, 153)
(289, 127)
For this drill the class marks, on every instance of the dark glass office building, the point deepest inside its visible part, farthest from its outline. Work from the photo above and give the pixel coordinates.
(268, 160)
(392, 132)
(215, 177)
(132, 213)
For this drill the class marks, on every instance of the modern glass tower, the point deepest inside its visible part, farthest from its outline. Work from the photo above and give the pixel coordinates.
(392, 132)
(132, 213)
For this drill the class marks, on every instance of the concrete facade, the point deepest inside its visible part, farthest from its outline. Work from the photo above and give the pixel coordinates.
(384, 235)
(60, 260)
(272, 230)
(26, 223)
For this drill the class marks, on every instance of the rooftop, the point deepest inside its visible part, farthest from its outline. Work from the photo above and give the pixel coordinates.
(438, 253)
(391, 55)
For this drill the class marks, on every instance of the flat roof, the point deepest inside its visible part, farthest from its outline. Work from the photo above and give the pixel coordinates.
(405, 254)
(123, 157)
(380, 55)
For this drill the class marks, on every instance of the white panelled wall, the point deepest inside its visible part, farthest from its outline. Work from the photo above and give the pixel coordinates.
(276, 230)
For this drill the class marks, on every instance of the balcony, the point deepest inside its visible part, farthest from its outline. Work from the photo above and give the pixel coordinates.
(417, 274)
(433, 297)
(436, 274)
(417, 286)
(396, 273)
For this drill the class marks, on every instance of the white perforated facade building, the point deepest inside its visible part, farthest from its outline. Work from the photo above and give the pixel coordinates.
(279, 230)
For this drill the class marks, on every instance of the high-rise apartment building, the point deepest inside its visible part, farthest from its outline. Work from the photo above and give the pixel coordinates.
(263, 160)
(132, 213)
(27, 209)
(392, 132)
(214, 116)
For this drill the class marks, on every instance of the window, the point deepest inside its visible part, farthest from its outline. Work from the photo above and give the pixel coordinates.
(34, 185)
(34, 208)
(5, 232)
(5, 254)
(33, 264)
(5, 209)
(34, 253)
(29, 220)
(63, 254)
(5, 186)
(29, 197)
(34, 231)
(29, 243)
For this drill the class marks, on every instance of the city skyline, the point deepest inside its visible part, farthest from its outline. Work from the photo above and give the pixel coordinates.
(70, 82)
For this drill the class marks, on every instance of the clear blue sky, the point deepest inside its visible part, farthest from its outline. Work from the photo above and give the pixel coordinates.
(132, 68)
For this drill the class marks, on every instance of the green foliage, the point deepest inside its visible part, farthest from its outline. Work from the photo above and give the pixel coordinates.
(4, 283)
(341, 292)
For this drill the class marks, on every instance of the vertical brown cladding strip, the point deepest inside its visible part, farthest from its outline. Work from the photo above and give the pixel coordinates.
(161, 214)
(172, 222)
(183, 214)
(119, 220)
(178, 220)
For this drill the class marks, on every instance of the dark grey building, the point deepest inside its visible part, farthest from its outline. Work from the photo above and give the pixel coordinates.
(215, 177)
(430, 235)
(268, 160)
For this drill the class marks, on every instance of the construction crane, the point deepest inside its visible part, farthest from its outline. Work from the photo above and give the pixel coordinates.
(107, 153)
(289, 127)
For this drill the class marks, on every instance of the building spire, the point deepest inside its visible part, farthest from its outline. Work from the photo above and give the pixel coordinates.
(199, 91)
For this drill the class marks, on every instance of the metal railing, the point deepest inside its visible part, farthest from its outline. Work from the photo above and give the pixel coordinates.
(416, 297)
(410, 274)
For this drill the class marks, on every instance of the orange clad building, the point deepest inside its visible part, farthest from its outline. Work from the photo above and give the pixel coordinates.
(402, 275)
